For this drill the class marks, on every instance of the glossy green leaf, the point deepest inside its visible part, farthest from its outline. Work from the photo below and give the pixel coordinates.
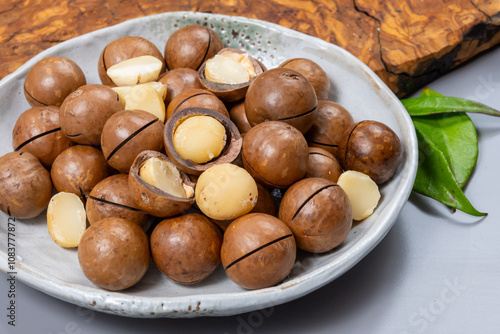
(435, 177)
(455, 135)
(428, 105)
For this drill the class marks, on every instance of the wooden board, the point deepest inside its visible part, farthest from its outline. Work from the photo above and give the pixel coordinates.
(407, 43)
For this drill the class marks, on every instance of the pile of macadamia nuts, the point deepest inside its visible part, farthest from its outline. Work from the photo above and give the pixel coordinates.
(176, 155)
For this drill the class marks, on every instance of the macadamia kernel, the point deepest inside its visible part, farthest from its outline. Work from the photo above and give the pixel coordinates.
(229, 68)
(135, 71)
(362, 192)
(66, 219)
(226, 191)
(200, 139)
(164, 176)
(146, 97)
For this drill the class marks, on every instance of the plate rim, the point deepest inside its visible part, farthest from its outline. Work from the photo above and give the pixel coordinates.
(190, 306)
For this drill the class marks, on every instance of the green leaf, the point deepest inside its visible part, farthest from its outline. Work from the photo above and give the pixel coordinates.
(435, 177)
(432, 104)
(455, 136)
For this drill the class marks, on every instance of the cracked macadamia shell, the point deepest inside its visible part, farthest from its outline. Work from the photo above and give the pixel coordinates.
(85, 111)
(37, 131)
(230, 92)
(372, 148)
(186, 249)
(126, 134)
(112, 198)
(281, 94)
(191, 46)
(123, 49)
(323, 164)
(25, 186)
(258, 251)
(275, 154)
(50, 80)
(114, 253)
(153, 200)
(229, 153)
(318, 212)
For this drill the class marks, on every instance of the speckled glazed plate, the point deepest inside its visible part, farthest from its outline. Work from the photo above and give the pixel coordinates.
(47, 267)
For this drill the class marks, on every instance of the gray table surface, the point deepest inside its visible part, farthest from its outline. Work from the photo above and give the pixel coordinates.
(435, 272)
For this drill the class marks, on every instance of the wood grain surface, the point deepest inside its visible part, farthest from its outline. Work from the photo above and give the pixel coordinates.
(407, 43)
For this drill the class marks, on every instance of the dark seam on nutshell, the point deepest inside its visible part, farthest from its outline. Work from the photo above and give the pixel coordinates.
(347, 145)
(117, 204)
(36, 137)
(257, 249)
(297, 116)
(26, 91)
(208, 48)
(190, 97)
(310, 197)
(130, 138)
(318, 143)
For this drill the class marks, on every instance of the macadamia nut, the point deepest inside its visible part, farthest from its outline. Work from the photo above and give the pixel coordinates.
(163, 175)
(226, 191)
(66, 219)
(135, 71)
(200, 139)
(362, 193)
(227, 70)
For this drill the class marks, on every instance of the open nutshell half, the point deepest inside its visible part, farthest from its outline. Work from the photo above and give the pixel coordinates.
(229, 74)
(228, 154)
(158, 187)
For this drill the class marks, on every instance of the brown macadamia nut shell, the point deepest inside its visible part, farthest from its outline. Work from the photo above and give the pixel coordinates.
(51, 80)
(323, 164)
(318, 212)
(122, 49)
(151, 199)
(37, 131)
(229, 153)
(372, 148)
(275, 154)
(191, 46)
(112, 198)
(178, 80)
(126, 134)
(195, 97)
(186, 249)
(114, 253)
(281, 94)
(258, 251)
(313, 72)
(85, 111)
(330, 122)
(25, 185)
(78, 169)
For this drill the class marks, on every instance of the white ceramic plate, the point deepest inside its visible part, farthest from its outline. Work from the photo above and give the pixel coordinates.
(47, 267)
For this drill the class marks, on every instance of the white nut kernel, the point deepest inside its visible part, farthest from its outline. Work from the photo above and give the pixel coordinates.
(199, 138)
(226, 191)
(362, 192)
(226, 70)
(165, 176)
(66, 219)
(135, 71)
(147, 98)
